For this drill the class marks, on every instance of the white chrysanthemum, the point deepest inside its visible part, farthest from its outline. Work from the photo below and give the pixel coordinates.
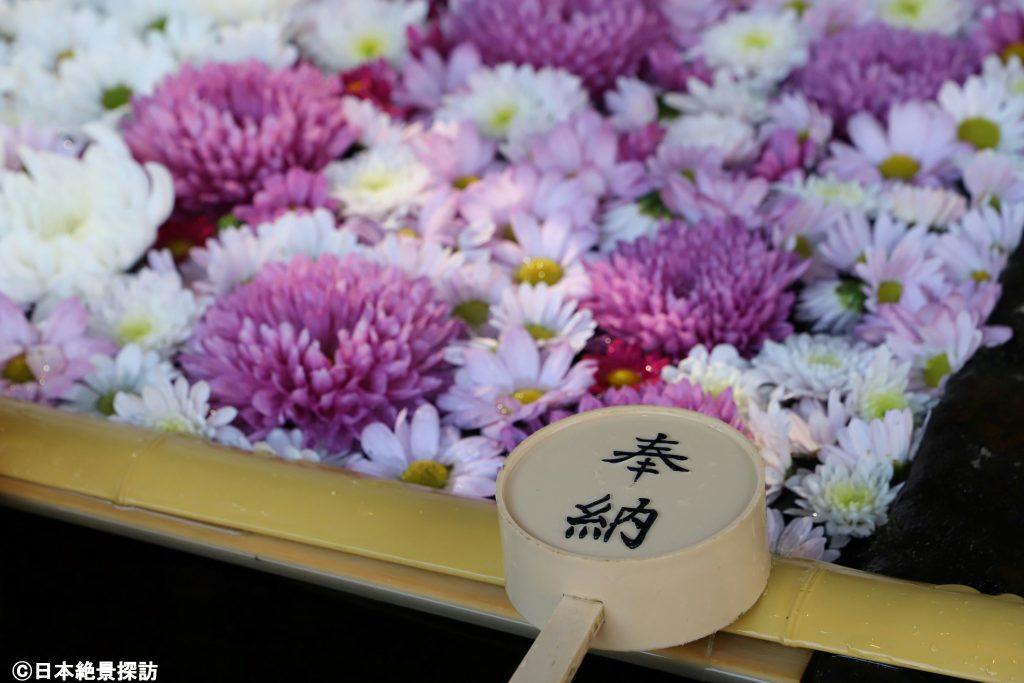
(151, 309)
(510, 103)
(67, 222)
(176, 408)
(770, 429)
(939, 16)
(799, 538)
(715, 371)
(726, 94)
(810, 365)
(311, 233)
(140, 16)
(376, 128)
(417, 257)
(832, 192)
(730, 134)
(223, 263)
(632, 104)
(815, 424)
(128, 373)
(346, 33)
(926, 206)
(98, 82)
(759, 45)
(833, 305)
(262, 39)
(888, 438)
(851, 500)
(287, 445)
(987, 114)
(882, 387)
(629, 222)
(546, 313)
(382, 183)
(235, 11)
(46, 32)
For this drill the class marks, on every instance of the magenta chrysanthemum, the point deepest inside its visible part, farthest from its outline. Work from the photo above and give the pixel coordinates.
(295, 190)
(598, 40)
(715, 283)
(328, 346)
(869, 68)
(222, 128)
(682, 394)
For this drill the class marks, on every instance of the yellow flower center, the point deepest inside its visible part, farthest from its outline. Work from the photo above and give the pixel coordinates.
(134, 329)
(803, 247)
(408, 232)
(369, 47)
(17, 370)
(375, 181)
(935, 369)
(474, 312)
(850, 496)
(105, 403)
(426, 473)
(1014, 50)
(979, 132)
(499, 120)
(464, 182)
(899, 167)
(538, 270)
(798, 6)
(623, 377)
(756, 41)
(539, 332)
(889, 292)
(881, 403)
(980, 276)
(527, 396)
(830, 360)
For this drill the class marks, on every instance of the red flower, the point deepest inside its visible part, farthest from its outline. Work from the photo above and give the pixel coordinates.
(183, 231)
(621, 364)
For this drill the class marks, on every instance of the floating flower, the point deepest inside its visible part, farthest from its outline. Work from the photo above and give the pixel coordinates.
(930, 207)
(632, 105)
(177, 408)
(382, 183)
(716, 282)
(937, 340)
(728, 134)
(549, 253)
(938, 16)
(681, 394)
(295, 190)
(987, 115)
(760, 45)
(716, 370)
(596, 40)
(221, 129)
(329, 346)
(546, 313)
(832, 305)
(620, 364)
(287, 444)
(810, 365)
(881, 387)
(993, 178)
(851, 500)
(41, 360)
(886, 438)
(799, 538)
(128, 372)
(422, 451)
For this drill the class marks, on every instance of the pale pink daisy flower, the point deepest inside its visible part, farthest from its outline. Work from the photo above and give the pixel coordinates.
(799, 538)
(993, 177)
(547, 313)
(455, 152)
(906, 275)
(937, 340)
(889, 438)
(428, 77)
(549, 252)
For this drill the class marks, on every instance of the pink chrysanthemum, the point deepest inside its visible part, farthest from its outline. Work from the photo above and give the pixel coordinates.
(598, 40)
(297, 189)
(715, 283)
(41, 361)
(870, 68)
(328, 346)
(681, 394)
(222, 128)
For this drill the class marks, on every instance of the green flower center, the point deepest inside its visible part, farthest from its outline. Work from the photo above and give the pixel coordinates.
(17, 371)
(899, 167)
(159, 25)
(538, 270)
(464, 182)
(980, 132)
(980, 276)
(850, 496)
(881, 403)
(829, 360)
(501, 118)
(228, 221)
(798, 6)
(539, 332)
(803, 247)
(426, 473)
(174, 425)
(474, 312)
(889, 292)
(908, 9)
(650, 205)
(1014, 50)
(134, 329)
(116, 96)
(105, 403)
(851, 295)
(623, 377)
(935, 369)
(369, 47)
(527, 396)
(756, 41)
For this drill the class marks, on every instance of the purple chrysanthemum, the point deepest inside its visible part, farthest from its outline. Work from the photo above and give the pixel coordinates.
(715, 283)
(598, 40)
(295, 190)
(871, 67)
(222, 128)
(328, 346)
(682, 394)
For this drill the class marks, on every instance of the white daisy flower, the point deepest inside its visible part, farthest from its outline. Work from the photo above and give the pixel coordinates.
(47, 32)
(237, 11)
(1010, 73)
(176, 408)
(287, 445)
(830, 191)
(342, 34)
(262, 39)
(939, 16)
(546, 313)
(66, 222)
(510, 103)
(832, 305)
(730, 134)
(930, 207)
(987, 115)
(965, 260)
(311, 233)
(630, 221)
(888, 438)
(993, 178)
(800, 538)
(761, 45)
(851, 500)
(382, 183)
(128, 373)
(1000, 229)
(715, 371)
(550, 252)
(421, 451)
(151, 309)
(473, 291)
(726, 94)
(810, 365)
(376, 128)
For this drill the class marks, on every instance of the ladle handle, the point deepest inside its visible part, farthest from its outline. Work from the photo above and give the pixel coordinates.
(559, 648)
